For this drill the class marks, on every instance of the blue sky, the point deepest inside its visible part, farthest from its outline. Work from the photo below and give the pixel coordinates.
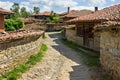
(59, 5)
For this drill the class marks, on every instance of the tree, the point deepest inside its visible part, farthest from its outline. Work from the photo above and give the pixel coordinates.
(15, 8)
(36, 10)
(24, 13)
(54, 17)
(48, 19)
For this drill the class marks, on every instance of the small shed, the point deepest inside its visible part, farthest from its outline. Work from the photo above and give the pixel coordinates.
(3, 12)
(42, 15)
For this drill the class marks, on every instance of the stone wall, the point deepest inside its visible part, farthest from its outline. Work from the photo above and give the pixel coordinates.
(110, 52)
(58, 27)
(18, 48)
(96, 44)
(71, 36)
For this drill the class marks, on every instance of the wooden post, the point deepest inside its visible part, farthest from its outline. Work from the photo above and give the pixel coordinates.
(2, 23)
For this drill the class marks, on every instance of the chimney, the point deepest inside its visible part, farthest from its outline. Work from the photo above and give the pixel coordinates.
(96, 8)
(52, 12)
(68, 9)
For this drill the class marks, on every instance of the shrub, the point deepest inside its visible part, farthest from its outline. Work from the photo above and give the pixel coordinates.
(12, 25)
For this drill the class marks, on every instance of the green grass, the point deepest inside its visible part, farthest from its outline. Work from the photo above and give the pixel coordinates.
(44, 36)
(15, 73)
(88, 56)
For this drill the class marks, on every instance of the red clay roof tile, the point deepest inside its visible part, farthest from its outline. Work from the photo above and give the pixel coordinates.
(4, 11)
(43, 14)
(77, 13)
(109, 13)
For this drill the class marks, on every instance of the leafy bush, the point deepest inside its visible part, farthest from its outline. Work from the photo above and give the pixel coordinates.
(12, 25)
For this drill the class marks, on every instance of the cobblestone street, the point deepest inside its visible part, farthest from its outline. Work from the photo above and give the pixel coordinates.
(59, 63)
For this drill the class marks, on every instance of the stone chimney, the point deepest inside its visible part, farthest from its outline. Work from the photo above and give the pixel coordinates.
(52, 12)
(96, 8)
(68, 9)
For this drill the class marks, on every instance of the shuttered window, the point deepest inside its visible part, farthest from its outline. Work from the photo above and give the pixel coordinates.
(86, 28)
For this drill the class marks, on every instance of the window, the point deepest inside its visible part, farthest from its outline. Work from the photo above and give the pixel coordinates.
(85, 29)
(80, 30)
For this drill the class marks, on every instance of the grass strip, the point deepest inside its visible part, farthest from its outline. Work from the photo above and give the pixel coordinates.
(44, 36)
(15, 73)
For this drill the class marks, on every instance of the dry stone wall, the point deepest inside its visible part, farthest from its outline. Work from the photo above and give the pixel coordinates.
(110, 52)
(16, 51)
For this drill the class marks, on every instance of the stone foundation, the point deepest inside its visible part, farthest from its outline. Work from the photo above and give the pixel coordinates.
(94, 43)
(16, 51)
(110, 52)
(71, 36)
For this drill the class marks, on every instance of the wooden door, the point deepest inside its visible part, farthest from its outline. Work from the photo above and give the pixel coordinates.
(86, 36)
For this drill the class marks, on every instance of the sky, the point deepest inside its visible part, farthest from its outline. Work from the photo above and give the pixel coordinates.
(59, 5)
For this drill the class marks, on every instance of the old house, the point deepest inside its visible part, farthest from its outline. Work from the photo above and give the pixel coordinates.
(71, 31)
(102, 27)
(75, 13)
(42, 15)
(3, 12)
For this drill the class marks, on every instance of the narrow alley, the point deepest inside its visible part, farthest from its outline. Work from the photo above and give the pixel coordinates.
(59, 63)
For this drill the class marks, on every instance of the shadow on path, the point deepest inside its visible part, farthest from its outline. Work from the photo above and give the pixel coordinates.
(80, 71)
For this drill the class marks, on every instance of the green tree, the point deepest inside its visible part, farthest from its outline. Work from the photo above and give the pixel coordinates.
(15, 8)
(24, 13)
(54, 17)
(48, 19)
(36, 10)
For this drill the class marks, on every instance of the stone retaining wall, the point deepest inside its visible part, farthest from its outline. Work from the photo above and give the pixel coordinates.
(17, 49)
(110, 52)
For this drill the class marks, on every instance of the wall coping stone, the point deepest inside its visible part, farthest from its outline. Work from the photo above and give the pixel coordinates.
(17, 35)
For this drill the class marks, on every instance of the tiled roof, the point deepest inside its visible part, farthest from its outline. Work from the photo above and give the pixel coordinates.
(27, 20)
(43, 14)
(107, 25)
(63, 14)
(109, 13)
(4, 11)
(77, 13)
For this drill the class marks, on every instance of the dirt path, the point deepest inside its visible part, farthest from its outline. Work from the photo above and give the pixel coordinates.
(59, 63)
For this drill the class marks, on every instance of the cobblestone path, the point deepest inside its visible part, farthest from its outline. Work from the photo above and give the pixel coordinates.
(59, 63)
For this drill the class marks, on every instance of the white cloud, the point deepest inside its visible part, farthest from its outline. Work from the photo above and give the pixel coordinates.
(6, 5)
(64, 3)
(113, 0)
(96, 2)
(82, 7)
(34, 1)
(26, 5)
(46, 8)
(57, 5)
(48, 5)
